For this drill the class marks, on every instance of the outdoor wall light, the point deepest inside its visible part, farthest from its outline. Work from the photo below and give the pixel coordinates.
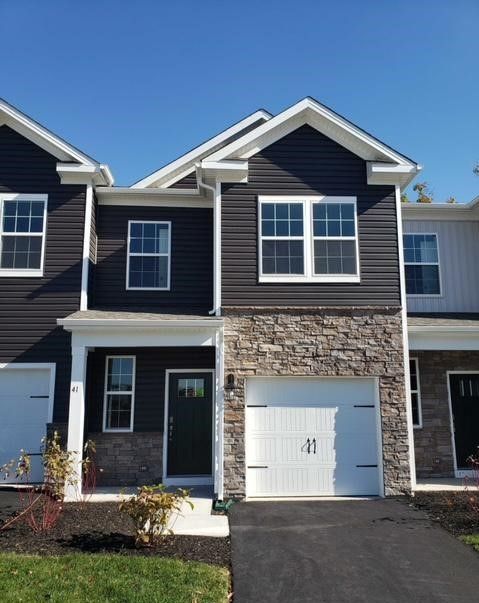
(230, 386)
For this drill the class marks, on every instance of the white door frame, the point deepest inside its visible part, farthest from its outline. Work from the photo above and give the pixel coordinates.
(188, 481)
(377, 403)
(457, 472)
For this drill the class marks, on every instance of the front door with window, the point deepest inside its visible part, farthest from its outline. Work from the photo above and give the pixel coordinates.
(465, 410)
(190, 424)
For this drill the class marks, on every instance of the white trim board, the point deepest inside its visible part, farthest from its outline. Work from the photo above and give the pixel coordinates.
(200, 480)
(184, 165)
(311, 112)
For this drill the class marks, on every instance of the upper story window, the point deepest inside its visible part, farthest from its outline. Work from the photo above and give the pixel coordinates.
(421, 263)
(22, 234)
(308, 239)
(149, 254)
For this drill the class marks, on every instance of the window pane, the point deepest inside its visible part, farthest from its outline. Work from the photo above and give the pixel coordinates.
(334, 228)
(283, 257)
(118, 412)
(120, 374)
(282, 219)
(347, 211)
(282, 228)
(422, 280)
(268, 228)
(267, 211)
(23, 216)
(415, 409)
(150, 269)
(21, 252)
(420, 248)
(347, 228)
(282, 211)
(333, 220)
(191, 388)
(334, 257)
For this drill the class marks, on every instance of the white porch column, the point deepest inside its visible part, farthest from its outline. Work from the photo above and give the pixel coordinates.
(219, 412)
(76, 416)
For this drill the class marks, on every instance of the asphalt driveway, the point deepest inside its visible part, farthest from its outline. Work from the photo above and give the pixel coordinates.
(371, 551)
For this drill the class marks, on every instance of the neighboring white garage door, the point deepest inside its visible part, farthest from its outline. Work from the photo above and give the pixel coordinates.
(312, 437)
(25, 409)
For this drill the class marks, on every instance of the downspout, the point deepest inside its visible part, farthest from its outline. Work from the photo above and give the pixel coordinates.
(216, 238)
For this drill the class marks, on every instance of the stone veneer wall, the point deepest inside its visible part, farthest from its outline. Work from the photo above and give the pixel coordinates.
(322, 342)
(432, 443)
(128, 459)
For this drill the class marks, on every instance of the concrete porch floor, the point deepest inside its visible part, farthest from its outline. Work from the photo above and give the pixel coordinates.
(445, 484)
(189, 522)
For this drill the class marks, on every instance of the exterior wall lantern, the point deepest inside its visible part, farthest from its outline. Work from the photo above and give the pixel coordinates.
(230, 386)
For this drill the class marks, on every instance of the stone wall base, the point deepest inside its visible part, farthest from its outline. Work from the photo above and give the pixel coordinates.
(319, 342)
(128, 459)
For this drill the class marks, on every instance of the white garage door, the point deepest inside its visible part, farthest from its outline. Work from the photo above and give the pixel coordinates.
(24, 413)
(312, 437)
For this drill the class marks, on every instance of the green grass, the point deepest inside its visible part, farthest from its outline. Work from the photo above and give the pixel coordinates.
(109, 579)
(472, 539)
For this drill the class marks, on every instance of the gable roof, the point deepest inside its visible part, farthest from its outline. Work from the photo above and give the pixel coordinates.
(50, 142)
(325, 120)
(184, 165)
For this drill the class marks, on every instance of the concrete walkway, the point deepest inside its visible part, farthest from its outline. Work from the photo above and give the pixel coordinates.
(193, 522)
(376, 551)
(446, 484)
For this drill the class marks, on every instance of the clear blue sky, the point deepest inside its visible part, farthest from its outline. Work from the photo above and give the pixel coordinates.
(137, 83)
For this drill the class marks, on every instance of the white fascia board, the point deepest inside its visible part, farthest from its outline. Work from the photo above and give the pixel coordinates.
(152, 197)
(151, 325)
(379, 173)
(78, 173)
(45, 139)
(170, 173)
(441, 211)
(308, 111)
(226, 171)
(441, 339)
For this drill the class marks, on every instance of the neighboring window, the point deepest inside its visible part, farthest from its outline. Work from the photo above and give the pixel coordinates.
(191, 388)
(415, 392)
(334, 236)
(308, 239)
(119, 393)
(22, 234)
(421, 263)
(149, 246)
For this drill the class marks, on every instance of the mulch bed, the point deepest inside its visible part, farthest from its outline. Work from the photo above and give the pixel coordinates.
(101, 528)
(450, 509)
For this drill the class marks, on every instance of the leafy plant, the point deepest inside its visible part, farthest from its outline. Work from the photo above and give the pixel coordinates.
(404, 198)
(151, 510)
(424, 194)
(473, 494)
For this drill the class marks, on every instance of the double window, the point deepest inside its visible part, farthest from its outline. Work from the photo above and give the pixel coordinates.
(22, 234)
(308, 239)
(119, 393)
(149, 252)
(421, 264)
(415, 392)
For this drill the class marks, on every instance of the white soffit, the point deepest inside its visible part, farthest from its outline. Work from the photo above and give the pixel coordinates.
(185, 165)
(441, 211)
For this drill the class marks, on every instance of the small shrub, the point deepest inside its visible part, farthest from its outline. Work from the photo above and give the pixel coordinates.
(151, 510)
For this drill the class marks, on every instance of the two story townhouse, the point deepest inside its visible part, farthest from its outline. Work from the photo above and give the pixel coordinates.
(235, 319)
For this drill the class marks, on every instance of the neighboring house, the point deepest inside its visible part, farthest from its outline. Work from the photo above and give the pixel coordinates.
(442, 277)
(237, 318)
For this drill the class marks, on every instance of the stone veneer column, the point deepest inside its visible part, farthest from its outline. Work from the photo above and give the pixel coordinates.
(320, 342)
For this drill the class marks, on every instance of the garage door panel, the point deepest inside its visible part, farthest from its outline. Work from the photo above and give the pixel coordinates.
(25, 412)
(337, 416)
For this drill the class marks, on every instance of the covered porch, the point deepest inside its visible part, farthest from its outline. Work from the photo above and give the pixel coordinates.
(147, 389)
(444, 354)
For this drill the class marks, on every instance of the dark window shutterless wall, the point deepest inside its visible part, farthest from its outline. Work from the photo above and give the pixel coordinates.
(191, 260)
(151, 364)
(29, 306)
(307, 162)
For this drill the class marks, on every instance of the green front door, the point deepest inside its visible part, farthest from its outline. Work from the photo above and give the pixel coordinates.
(190, 424)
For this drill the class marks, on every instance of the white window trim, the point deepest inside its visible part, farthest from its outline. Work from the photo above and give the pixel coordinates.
(417, 391)
(105, 397)
(128, 254)
(25, 197)
(438, 264)
(308, 241)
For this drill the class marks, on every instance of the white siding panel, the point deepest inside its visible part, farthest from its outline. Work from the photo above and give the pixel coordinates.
(458, 243)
